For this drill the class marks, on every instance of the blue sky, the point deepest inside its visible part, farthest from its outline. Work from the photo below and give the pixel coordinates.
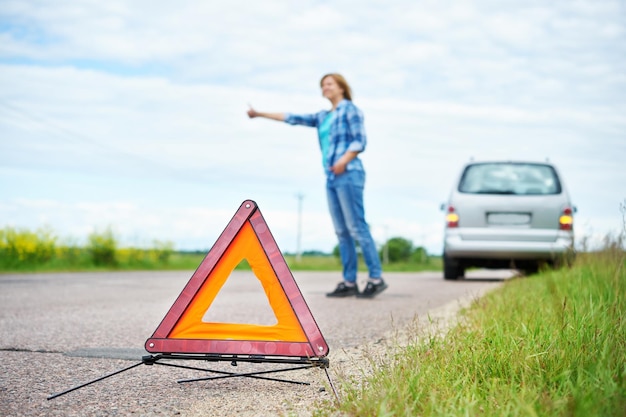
(132, 114)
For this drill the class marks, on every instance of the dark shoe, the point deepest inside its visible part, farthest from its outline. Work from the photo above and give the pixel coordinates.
(344, 290)
(372, 289)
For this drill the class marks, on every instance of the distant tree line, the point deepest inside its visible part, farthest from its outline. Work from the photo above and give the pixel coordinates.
(22, 249)
(396, 250)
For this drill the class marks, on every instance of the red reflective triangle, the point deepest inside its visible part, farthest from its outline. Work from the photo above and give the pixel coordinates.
(246, 236)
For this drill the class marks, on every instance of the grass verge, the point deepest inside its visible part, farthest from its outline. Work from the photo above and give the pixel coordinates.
(23, 250)
(553, 344)
(133, 260)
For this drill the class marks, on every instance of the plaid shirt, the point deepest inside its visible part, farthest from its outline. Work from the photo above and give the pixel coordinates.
(347, 132)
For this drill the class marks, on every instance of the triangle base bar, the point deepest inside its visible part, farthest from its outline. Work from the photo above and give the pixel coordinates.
(231, 347)
(211, 357)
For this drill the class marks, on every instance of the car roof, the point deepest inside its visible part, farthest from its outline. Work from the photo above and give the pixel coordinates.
(508, 161)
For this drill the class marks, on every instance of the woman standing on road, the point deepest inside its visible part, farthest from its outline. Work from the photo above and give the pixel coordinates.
(342, 137)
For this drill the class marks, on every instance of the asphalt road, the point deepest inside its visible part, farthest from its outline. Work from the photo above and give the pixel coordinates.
(60, 330)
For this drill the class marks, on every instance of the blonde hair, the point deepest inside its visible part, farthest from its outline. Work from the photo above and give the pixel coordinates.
(347, 91)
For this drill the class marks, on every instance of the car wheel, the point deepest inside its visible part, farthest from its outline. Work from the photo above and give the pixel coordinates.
(564, 261)
(531, 269)
(452, 269)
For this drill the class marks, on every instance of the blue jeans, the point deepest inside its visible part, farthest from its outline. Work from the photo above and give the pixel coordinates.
(345, 201)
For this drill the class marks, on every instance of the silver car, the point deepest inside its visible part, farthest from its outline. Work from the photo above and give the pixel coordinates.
(505, 214)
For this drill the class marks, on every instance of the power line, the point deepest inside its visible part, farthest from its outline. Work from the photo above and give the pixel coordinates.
(135, 160)
(300, 197)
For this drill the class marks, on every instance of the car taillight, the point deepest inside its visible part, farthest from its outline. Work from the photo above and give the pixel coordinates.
(566, 221)
(452, 219)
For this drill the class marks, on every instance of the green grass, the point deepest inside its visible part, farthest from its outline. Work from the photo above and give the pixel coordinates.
(553, 344)
(80, 261)
(23, 250)
(331, 263)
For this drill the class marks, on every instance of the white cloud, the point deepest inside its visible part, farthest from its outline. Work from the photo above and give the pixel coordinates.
(133, 113)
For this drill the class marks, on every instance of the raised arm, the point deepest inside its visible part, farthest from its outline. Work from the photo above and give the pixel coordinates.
(273, 116)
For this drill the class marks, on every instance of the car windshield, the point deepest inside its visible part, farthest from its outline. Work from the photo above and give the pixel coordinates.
(510, 178)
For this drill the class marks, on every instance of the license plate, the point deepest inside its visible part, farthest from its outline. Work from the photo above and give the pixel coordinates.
(508, 219)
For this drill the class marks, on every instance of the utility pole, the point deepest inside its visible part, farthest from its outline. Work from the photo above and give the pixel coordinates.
(300, 197)
(386, 247)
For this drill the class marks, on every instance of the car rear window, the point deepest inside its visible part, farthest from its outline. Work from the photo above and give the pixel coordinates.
(510, 178)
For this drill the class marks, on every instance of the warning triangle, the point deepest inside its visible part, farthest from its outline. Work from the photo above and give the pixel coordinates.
(295, 333)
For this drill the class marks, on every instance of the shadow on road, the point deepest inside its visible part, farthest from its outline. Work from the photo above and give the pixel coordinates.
(481, 279)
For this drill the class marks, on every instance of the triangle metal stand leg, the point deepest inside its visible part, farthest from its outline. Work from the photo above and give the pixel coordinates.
(304, 363)
(225, 374)
(95, 380)
(332, 386)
